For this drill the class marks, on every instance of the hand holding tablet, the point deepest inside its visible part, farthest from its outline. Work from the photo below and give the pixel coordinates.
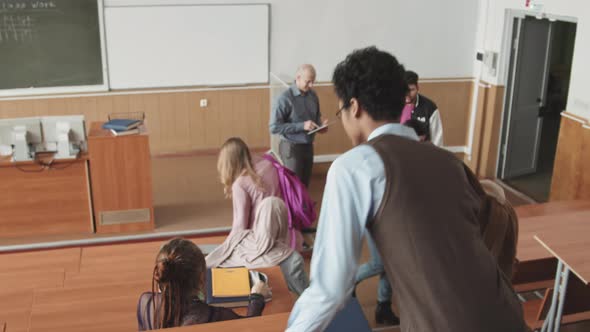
(319, 128)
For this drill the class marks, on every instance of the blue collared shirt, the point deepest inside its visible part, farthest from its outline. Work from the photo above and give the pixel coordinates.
(353, 193)
(291, 109)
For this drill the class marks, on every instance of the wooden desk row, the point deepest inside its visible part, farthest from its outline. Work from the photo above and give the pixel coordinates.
(94, 288)
(264, 323)
(553, 242)
(109, 189)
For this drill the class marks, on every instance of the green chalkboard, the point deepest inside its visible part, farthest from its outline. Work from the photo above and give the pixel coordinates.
(49, 43)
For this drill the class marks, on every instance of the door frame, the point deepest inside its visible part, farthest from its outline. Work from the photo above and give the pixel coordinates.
(504, 73)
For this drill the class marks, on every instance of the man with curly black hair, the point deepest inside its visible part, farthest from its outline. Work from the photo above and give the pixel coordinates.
(444, 277)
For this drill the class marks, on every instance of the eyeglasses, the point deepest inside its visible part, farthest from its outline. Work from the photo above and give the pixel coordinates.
(339, 113)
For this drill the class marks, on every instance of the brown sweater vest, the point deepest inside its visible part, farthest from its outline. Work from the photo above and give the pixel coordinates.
(429, 234)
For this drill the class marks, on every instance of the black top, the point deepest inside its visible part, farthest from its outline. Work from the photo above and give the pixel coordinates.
(197, 313)
(423, 110)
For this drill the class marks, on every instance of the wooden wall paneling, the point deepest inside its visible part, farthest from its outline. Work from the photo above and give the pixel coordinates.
(264, 117)
(240, 119)
(177, 123)
(492, 125)
(184, 108)
(10, 109)
(104, 106)
(256, 129)
(335, 140)
(211, 117)
(120, 103)
(57, 106)
(40, 107)
(75, 106)
(166, 118)
(473, 163)
(151, 111)
(584, 191)
(567, 170)
(137, 104)
(91, 111)
(454, 103)
(23, 108)
(226, 116)
(197, 126)
(248, 117)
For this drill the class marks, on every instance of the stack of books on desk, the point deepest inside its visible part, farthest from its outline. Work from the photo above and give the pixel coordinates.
(122, 127)
(230, 287)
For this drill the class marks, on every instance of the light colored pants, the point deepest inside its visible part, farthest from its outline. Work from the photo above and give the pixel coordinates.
(372, 268)
(293, 269)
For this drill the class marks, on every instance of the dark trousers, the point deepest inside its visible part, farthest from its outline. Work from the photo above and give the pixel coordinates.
(298, 158)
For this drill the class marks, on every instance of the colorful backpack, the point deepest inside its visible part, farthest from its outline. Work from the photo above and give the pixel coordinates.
(300, 207)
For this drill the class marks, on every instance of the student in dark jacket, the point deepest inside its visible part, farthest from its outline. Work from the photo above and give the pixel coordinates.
(424, 110)
(178, 280)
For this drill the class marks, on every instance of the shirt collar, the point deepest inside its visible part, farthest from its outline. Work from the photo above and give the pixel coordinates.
(295, 90)
(417, 100)
(393, 129)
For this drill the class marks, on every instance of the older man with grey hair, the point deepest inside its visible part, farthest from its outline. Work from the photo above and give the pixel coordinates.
(295, 113)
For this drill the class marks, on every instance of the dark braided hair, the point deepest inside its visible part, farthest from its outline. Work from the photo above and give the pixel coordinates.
(178, 272)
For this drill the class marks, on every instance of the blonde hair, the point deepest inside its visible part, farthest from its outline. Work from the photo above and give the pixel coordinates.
(234, 161)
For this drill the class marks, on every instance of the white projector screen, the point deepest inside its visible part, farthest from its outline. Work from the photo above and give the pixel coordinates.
(173, 46)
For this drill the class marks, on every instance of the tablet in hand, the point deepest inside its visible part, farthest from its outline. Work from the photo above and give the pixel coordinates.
(318, 129)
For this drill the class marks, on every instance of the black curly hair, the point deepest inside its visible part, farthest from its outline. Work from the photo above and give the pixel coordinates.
(376, 79)
(411, 77)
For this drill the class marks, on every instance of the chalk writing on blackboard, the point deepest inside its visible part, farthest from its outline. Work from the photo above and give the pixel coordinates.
(8, 5)
(16, 28)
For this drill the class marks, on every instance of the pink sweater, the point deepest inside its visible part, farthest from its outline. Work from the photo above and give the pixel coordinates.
(246, 195)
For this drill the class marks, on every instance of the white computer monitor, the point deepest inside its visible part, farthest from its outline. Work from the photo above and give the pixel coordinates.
(5, 133)
(32, 126)
(77, 133)
(22, 134)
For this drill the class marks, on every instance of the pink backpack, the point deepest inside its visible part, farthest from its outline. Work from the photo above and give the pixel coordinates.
(300, 207)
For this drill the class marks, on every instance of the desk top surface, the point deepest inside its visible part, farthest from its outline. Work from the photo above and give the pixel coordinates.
(539, 217)
(264, 323)
(568, 240)
(282, 299)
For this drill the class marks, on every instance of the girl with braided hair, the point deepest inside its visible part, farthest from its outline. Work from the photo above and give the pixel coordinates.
(177, 285)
